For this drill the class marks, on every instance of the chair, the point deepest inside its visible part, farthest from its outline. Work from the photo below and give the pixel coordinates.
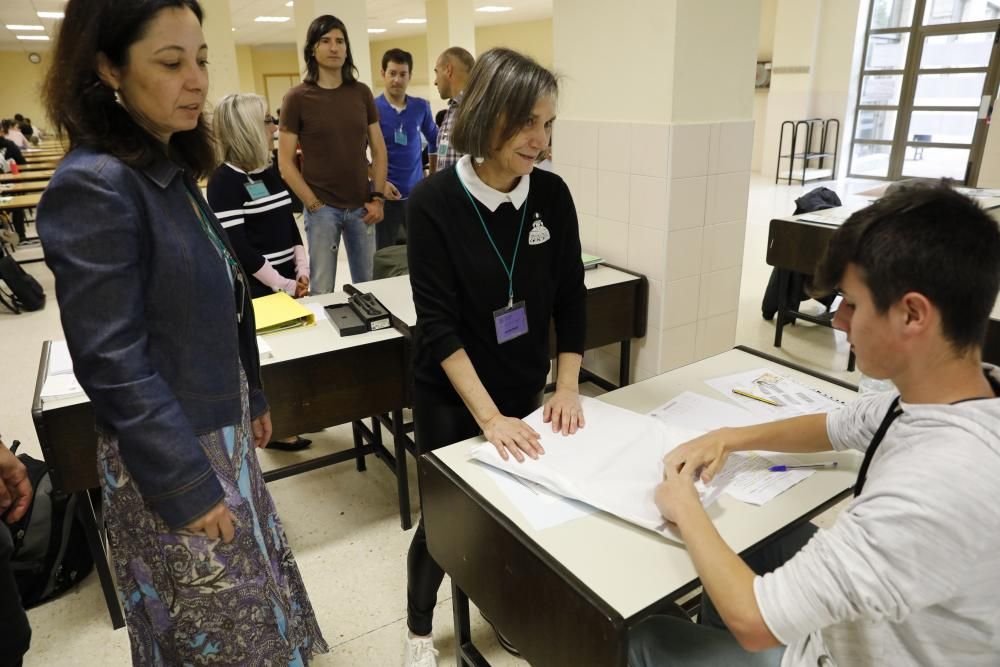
(918, 151)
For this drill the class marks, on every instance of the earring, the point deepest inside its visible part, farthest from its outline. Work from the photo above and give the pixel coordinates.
(479, 160)
(118, 97)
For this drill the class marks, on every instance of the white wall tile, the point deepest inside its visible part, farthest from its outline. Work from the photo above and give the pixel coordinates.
(735, 146)
(647, 202)
(722, 246)
(612, 241)
(612, 195)
(614, 147)
(585, 196)
(680, 302)
(713, 148)
(687, 203)
(588, 232)
(587, 146)
(650, 149)
(683, 253)
(727, 197)
(715, 335)
(689, 150)
(677, 346)
(566, 142)
(654, 313)
(647, 251)
(646, 355)
(570, 174)
(720, 292)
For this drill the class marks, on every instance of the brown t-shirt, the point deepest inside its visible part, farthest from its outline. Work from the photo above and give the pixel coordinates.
(333, 132)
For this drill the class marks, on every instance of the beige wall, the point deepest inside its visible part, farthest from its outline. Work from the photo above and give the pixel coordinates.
(533, 38)
(244, 61)
(22, 86)
(272, 61)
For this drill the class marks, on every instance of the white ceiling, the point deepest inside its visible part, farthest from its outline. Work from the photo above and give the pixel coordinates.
(381, 14)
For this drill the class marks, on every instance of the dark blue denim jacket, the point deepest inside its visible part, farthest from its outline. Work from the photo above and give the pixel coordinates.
(150, 319)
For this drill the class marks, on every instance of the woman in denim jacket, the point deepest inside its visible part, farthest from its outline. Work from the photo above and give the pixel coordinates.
(160, 327)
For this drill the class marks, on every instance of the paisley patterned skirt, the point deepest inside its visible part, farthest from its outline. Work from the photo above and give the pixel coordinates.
(192, 600)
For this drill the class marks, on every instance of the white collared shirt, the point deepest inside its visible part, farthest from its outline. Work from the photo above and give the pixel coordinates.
(486, 195)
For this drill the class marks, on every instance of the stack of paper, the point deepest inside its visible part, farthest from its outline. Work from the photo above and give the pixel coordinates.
(591, 261)
(60, 381)
(278, 311)
(785, 397)
(613, 464)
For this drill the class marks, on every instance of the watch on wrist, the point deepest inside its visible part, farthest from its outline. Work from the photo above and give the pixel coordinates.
(376, 195)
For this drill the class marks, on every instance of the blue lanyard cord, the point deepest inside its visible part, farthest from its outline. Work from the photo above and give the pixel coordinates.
(509, 271)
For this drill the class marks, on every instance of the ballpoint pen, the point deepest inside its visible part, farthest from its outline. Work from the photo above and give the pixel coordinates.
(832, 464)
(757, 398)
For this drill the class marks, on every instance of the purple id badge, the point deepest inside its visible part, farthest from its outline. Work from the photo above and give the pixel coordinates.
(511, 322)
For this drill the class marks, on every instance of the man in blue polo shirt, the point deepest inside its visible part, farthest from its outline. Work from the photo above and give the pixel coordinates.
(403, 119)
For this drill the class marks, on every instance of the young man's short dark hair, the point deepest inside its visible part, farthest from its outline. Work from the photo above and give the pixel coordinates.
(397, 56)
(930, 240)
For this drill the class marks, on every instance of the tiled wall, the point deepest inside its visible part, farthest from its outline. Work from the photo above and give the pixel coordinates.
(668, 201)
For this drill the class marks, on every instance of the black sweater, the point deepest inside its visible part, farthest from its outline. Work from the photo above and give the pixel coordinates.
(458, 282)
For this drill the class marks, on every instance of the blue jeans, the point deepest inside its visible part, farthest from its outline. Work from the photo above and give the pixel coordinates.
(324, 229)
(664, 641)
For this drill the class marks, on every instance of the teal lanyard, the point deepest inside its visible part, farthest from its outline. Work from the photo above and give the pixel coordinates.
(220, 247)
(508, 270)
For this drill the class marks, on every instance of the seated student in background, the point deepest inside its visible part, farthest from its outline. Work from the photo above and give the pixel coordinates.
(15, 497)
(14, 134)
(494, 256)
(10, 151)
(910, 572)
(403, 120)
(255, 208)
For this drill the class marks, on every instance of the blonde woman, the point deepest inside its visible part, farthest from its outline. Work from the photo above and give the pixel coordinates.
(253, 203)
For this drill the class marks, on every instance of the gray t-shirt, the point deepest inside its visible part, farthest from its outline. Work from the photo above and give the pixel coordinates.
(910, 572)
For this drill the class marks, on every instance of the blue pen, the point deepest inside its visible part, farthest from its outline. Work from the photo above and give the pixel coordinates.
(832, 464)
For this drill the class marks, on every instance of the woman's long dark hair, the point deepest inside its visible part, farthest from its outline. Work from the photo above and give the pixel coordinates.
(83, 107)
(319, 27)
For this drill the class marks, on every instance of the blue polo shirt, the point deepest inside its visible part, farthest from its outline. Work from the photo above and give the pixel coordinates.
(406, 167)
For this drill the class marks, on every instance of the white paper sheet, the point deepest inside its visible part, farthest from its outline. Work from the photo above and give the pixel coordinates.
(794, 397)
(614, 463)
(700, 413)
(264, 350)
(62, 385)
(59, 359)
(541, 507)
(748, 479)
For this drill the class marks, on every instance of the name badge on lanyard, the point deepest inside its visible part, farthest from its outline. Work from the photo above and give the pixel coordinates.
(442, 148)
(511, 321)
(256, 190)
(400, 137)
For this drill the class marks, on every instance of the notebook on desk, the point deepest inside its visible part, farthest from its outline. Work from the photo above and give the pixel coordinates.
(278, 312)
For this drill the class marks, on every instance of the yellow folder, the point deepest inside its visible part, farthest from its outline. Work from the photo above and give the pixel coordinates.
(278, 311)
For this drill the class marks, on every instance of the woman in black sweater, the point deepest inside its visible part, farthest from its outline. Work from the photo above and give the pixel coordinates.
(494, 256)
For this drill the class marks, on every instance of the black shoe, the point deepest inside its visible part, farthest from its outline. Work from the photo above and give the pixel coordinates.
(298, 444)
(503, 641)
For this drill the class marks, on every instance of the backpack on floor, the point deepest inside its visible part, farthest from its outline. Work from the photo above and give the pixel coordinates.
(25, 292)
(50, 549)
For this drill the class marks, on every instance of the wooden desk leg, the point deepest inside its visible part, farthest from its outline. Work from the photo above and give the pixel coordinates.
(402, 478)
(779, 322)
(85, 512)
(359, 442)
(465, 653)
(624, 362)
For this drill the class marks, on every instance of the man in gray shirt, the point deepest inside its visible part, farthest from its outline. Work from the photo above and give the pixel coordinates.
(910, 572)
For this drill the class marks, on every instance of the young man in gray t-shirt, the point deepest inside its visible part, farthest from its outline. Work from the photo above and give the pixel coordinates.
(910, 571)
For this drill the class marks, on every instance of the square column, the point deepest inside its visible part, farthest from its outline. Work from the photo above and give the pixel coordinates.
(449, 23)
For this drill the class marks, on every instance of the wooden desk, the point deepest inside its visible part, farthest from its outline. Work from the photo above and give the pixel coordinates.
(31, 175)
(47, 165)
(315, 379)
(596, 577)
(19, 201)
(7, 189)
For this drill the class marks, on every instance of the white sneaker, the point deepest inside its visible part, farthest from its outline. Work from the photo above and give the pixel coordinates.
(420, 651)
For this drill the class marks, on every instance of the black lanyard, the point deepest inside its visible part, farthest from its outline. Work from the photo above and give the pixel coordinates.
(890, 416)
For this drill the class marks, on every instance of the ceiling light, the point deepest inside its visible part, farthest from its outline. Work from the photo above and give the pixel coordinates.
(50, 15)
(375, 31)
(25, 27)
(412, 21)
(37, 38)
(290, 3)
(272, 19)
(493, 9)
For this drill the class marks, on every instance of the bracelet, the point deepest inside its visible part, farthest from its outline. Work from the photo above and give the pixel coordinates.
(315, 206)
(376, 195)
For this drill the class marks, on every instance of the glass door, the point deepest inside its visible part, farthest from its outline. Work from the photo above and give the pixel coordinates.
(926, 89)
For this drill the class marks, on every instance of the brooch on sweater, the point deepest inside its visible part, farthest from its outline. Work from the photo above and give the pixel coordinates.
(539, 233)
